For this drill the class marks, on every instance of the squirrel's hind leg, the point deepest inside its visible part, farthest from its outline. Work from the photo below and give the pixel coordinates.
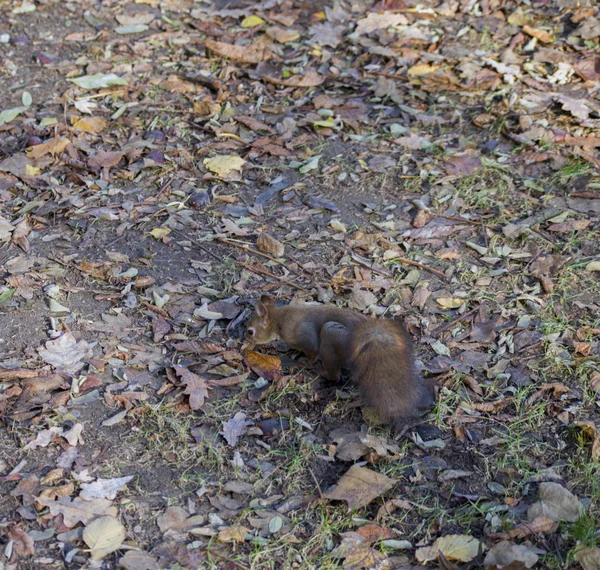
(332, 348)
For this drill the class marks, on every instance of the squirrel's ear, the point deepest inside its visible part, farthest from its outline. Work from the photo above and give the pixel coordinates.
(267, 299)
(260, 309)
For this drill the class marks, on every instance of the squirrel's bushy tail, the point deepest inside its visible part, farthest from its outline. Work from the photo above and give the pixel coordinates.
(382, 363)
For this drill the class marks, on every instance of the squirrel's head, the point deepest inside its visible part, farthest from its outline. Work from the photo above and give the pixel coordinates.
(260, 328)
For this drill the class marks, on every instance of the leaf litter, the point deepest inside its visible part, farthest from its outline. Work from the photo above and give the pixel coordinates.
(162, 167)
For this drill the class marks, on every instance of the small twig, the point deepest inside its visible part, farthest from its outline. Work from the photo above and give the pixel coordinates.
(223, 557)
(261, 271)
(251, 250)
(449, 325)
(370, 266)
(316, 483)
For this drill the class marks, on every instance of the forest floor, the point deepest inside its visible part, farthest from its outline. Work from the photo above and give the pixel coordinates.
(163, 164)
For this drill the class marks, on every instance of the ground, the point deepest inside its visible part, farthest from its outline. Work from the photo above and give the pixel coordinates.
(163, 164)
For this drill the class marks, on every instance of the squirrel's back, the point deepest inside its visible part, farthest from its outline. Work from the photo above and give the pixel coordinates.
(382, 362)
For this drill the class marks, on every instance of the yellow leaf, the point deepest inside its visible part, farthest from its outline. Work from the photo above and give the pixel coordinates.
(450, 302)
(458, 547)
(89, 124)
(159, 233)
(282, 35)
(423, 69)
(329, 123)
(236, 533)
(103, 535)
(252, 22)
(223, 165)
(32, 170)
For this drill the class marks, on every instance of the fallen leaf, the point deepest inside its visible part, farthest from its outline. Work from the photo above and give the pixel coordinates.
(588, 557)
(253, 53)
(53, 146)
(459, 547)
(138, 560)
(557, 503)
(98, 81)
(104, 488)
(234, 428)
(251, 22)
(590, 429)
(309, 79)
(195, 387)
(268, 244)
(422, 69)
(506, 554)
(376, 21)
(359, 486)
(264, 365)
(541, 35)
(103, 536)
(450, 302)
(236, 533)
(66, 354)
(78, 510)
(224, 165)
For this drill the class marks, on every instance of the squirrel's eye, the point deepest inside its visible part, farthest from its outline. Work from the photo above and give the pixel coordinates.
(250, 332)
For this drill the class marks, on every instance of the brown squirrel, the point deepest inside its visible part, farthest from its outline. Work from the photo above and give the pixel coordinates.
(378, 353)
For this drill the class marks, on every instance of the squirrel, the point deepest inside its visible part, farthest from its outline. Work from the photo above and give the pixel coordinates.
(377, 352)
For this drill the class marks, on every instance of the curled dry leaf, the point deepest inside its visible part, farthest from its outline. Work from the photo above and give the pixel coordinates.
(254, 53)
(589, 558)
(23, 544)
(309, 79)
(53, 146)
(264, 365)
(270, 245)
(377, 21)
(506, 554)
(557, 503)
(78, 510)
(104, 488)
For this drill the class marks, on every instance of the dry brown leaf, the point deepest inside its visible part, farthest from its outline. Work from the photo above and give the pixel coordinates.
(253, 53)
(91, 125)
(236, 533)
(270, 245)
(309, 79)
(78, 510)
(195, 387)
(359, 486)
(378, 20)
(264, 365)
(541, 35)
(53, 146)
(589, 428)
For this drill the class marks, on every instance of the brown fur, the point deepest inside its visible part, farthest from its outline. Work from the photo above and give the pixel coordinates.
(381, 357)
(379, 353)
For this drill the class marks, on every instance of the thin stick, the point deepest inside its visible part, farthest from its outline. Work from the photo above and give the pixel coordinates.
(316, 483)
(248, 248)
(449, 325)
(260, 271)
